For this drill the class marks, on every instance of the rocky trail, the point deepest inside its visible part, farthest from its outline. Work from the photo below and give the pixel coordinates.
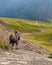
(23, 57)
(27, 54)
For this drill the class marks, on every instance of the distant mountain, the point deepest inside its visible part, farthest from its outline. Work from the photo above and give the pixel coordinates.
(26, 9)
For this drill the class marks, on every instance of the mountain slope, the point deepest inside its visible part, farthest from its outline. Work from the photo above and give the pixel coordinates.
(27, 54)
(23, 44)
(34, 31)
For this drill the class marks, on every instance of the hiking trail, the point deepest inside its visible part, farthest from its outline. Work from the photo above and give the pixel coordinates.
(25, 55)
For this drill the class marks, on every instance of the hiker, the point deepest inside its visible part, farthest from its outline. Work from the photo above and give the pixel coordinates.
(17, 37)
(12, 39)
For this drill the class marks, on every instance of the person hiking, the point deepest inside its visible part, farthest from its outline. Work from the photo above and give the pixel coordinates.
(17, 37)
(12, 39)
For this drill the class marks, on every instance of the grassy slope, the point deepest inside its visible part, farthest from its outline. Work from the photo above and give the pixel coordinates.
(42, 32)
(23, 25)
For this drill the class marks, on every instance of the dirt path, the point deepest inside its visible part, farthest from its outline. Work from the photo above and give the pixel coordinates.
(23, 57)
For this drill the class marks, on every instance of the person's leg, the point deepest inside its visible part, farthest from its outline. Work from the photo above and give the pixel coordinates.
(12, 46)
(17, 44)
(9, 45)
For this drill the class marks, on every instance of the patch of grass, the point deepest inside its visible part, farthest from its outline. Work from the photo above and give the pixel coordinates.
(44, 40)
(2, 44)
(50, 55)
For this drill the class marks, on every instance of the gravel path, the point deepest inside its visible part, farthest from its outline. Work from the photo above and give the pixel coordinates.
(23, 57)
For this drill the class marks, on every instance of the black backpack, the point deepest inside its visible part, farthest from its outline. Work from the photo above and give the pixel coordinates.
(11, 37)
(18, 38)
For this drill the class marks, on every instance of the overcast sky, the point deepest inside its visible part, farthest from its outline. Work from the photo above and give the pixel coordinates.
(36, 8)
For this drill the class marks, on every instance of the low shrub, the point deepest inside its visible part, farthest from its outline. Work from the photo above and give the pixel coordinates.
(50, 55)
(2, 44)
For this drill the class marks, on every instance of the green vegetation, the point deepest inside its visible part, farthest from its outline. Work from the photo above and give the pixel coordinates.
(39, 33)
(24, 26)
(50, 55)
(44, 40)
(2, 44)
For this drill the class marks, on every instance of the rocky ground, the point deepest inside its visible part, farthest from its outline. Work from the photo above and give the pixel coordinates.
(23, 57)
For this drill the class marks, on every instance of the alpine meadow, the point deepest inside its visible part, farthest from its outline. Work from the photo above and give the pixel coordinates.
(39, 32)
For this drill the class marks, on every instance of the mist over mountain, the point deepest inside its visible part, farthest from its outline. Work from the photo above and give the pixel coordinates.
(26, 9)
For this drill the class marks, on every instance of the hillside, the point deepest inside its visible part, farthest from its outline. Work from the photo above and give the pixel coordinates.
(23, 44)
(29, 53)
(34, 31)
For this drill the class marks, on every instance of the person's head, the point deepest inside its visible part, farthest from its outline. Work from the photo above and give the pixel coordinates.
(12, 34)
(16, 31)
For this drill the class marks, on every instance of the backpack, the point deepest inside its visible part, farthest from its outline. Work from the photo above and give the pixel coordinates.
(18, 38)
(14, 37)
(11, 37)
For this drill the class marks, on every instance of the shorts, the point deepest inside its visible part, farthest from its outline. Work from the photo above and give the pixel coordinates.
(12, 42)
